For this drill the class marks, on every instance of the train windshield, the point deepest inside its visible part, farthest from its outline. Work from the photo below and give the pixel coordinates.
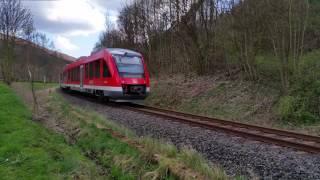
(129, 66)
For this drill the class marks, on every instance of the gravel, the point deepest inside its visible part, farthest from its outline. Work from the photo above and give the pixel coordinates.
(236, 155)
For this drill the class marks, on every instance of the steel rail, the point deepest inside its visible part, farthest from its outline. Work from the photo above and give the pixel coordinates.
(282, 138)
(240, 125)
(302, 142)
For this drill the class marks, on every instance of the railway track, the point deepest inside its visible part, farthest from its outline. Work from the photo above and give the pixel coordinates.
(300, 142)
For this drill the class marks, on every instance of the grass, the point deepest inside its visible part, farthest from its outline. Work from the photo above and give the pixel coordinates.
(224, 99)
(121, 160)
(188, 157)
(28, 151)
(91, 147)
(38, 85)
(41, 86)
(128, 160)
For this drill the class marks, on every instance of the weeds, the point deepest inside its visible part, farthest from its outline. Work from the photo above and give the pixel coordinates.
(136, 157)
(119, 158)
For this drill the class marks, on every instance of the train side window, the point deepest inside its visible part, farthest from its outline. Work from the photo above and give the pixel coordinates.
(106, 72)
(78, 74)
(87, 71)
(97, 69)
(71, 74)
(91, 70)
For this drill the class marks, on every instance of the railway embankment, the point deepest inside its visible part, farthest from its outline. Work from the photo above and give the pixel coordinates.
(230, 98)
(236, 155)
(112, 151)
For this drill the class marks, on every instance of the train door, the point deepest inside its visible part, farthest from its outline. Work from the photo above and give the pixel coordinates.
(81, 77)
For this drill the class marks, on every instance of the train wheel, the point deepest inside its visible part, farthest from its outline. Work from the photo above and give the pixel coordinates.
(103, 99)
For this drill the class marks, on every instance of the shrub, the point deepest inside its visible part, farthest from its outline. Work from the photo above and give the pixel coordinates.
(302, 105)
(286, 107)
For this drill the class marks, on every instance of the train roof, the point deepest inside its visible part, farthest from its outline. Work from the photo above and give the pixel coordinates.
(119, 51)
(101, 53)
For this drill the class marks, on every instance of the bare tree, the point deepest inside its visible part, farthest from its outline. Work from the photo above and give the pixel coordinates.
(204, 36)
(30, 36)
(14, 18)
(287, 26)
(41, 40)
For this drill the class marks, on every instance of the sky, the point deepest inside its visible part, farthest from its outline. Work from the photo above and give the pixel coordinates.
(73, 25)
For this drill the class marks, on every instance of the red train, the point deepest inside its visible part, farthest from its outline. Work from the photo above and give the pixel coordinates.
(117, 74)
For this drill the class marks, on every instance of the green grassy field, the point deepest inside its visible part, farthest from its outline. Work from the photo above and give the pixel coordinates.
(28, 151)
(85, 149)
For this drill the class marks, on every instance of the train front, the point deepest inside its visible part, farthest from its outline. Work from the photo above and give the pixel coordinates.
(133, 75)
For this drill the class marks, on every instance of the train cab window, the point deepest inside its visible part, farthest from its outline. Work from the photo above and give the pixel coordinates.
(106, 72)
(97, 68)
(91, 70)
(129, 66)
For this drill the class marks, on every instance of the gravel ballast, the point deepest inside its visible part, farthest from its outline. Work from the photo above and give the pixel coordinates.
(236, 155)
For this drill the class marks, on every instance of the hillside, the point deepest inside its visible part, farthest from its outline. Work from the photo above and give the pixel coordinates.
(45, 64)
(232, 97)
(265, 48)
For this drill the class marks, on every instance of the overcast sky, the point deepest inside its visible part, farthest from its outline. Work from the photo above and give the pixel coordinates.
(73, 25)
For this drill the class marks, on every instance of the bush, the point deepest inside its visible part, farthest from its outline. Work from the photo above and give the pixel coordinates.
(302, 105)
(297, 110)
(286, 107)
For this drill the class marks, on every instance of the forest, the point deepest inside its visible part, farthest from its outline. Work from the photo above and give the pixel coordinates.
(270, 42)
